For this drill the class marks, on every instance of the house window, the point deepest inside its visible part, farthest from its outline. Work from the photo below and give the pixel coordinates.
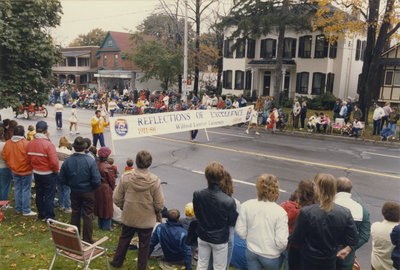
(321, 47)
(239, 80)
(109, 43)
(333, 50)
(289, 48)
(388, 77)
(305, 46)
(363, 45)
(227, 82)
(396, 78)
(358, 49)
(115, 59)
(268, 48)
(228, 48)
(71, 61)
(318, 84)
(251, 48)
(248, 80)
(83, 62)
(329, 82)
(302, 83)
(240, 48)
(63, 63)
(104, 60)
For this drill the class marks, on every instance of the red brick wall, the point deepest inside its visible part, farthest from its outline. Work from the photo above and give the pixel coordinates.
(125, 64)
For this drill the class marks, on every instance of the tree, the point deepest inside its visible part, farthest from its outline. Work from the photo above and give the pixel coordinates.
(362, 15)
(27, 52)
(94, 38)
(257, 18)
(156, 61)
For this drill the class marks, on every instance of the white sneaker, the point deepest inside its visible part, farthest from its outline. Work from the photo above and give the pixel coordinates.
(7, 206)
(247, 131)
(68, 211)
(31, 213)
(77, 132)
(71, 132)
(257, 133)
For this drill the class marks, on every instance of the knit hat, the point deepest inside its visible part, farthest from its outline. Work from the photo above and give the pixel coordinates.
(41, 126)
(104, 152)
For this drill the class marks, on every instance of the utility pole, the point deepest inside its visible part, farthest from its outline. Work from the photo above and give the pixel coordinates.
(185, 55)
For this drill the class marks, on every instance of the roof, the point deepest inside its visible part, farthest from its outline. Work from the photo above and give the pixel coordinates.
(391, 49)
(271, 62)
(390, 61)
(75, 53)
(122, 39)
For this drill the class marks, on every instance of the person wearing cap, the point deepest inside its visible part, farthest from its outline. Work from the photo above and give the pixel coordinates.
(14, 153)
(377, 118)
(103, 207)
(82, 175)
(350, 108)
(98, 122)
(42, 156)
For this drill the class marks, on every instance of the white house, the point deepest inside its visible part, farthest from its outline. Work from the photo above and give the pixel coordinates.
(390, 85)
(311, 65)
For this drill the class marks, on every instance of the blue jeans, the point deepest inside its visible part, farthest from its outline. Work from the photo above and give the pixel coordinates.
(64, 195)
(354, 131)
(5, 183)
(393, 127)
(104, 223)
(257, 262)
(22, 193)
(59, 119)
(98, 137)
(377, 127)
(45, 192)
(112, 113)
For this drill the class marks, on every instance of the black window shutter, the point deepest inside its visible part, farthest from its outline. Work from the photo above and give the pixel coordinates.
(274, 48)
(225, 48)
(294, 48)
(301, 46)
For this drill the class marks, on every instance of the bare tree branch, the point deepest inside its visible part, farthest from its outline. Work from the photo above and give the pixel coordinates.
(388, 35)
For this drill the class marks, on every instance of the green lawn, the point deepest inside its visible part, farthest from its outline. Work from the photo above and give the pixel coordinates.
(367, 134)
(25, 243)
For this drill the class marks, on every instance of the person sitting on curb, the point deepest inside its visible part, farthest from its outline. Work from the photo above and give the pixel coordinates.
(357, 126)
(172, 238)
(312, 122)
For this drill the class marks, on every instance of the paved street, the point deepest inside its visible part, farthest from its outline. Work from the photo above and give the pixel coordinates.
(374, 169)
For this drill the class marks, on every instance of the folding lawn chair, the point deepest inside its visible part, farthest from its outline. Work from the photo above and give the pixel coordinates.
(68, 244)
(2, 203)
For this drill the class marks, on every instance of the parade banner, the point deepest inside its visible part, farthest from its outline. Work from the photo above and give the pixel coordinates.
(127, 127)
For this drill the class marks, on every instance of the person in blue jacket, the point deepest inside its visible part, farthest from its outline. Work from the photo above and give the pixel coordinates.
(172, 238)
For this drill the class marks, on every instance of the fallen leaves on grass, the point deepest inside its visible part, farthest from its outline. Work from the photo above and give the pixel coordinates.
(18, 234)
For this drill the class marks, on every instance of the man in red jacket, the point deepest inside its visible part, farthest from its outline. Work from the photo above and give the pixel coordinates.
(42, 156)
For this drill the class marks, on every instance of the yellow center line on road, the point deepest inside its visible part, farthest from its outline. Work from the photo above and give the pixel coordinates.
(280, 158)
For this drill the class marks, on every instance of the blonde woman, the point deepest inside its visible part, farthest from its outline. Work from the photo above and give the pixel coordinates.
(320, 228)
(264, 226)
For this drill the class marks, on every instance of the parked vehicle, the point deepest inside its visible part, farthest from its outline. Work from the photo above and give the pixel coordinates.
(31, 110)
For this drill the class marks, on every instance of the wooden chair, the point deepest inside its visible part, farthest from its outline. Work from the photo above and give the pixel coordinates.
(68, 244)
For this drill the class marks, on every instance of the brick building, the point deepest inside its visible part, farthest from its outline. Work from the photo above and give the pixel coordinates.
(115, 71)
(78, 67)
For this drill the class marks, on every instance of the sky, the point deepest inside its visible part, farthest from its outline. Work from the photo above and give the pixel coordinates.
(81, 16)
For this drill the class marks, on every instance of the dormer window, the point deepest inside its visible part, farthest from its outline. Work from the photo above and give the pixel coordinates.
(109, 43)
